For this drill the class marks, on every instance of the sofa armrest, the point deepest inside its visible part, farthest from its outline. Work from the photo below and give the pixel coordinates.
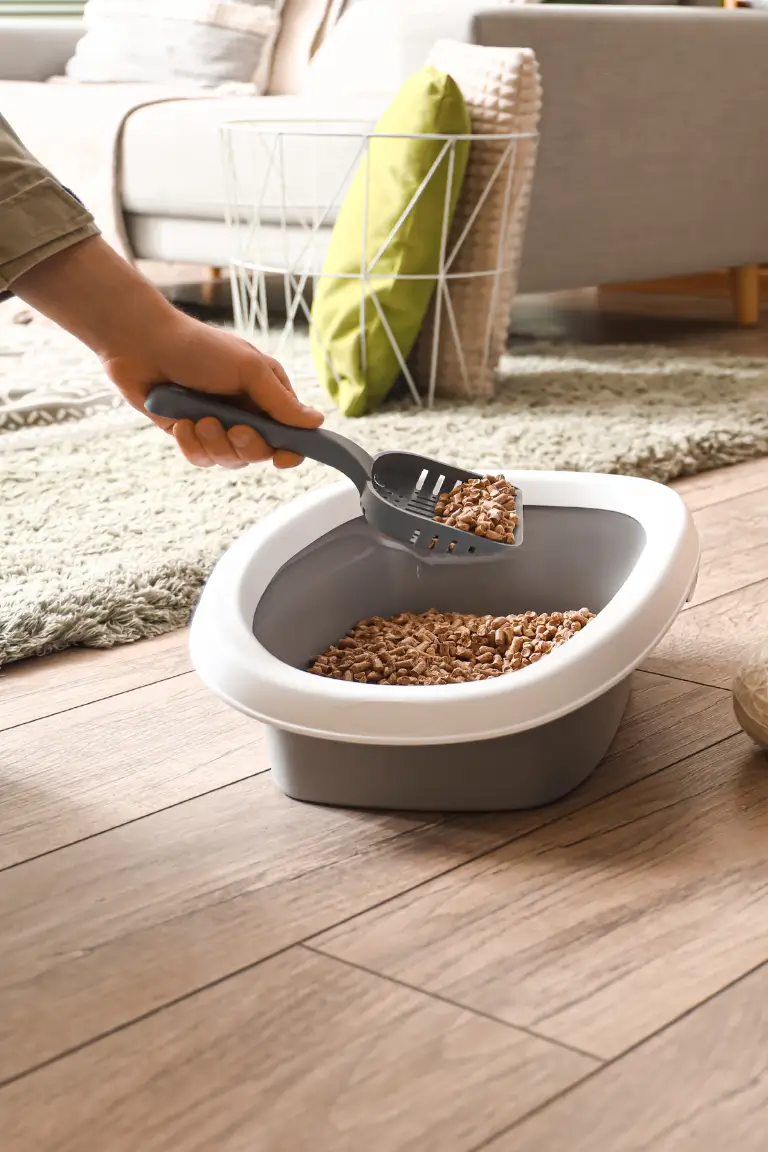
(652, 159)
(36, 49)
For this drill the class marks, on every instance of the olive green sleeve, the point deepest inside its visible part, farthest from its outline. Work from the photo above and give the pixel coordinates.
(38, 217)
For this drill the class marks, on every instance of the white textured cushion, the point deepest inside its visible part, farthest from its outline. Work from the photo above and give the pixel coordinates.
(194, 43)
(503, 93)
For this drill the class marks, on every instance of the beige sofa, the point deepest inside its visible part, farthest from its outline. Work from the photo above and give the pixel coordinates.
(652, 162)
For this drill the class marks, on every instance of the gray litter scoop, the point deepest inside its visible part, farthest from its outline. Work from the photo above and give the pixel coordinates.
(398, 490)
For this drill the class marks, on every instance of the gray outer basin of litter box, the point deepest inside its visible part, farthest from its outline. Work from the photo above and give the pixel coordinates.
(521, 771)
(572, 557)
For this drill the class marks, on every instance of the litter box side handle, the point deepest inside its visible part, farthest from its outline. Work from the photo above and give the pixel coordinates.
(176, 403)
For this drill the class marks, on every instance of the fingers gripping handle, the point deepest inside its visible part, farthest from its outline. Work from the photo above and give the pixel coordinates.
(176, 403)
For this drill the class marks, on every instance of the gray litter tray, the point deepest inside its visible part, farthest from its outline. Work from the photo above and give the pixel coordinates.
(519, 741)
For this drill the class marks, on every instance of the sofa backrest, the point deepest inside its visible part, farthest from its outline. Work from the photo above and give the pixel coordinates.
(36, 49)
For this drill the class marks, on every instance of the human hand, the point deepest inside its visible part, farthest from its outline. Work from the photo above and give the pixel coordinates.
(205, 359)
(142, 340)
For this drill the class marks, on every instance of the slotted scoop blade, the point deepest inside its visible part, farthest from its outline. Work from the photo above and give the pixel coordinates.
(402, 498)
(398, 490)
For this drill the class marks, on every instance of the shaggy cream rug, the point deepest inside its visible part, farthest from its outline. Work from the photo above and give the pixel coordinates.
(106, 534)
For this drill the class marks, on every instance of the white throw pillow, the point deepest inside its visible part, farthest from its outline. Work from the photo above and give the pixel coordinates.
(303, 26)
(378, 44)
(367, 51)
(189, 43)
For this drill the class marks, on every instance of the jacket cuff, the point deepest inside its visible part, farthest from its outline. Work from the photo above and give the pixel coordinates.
(38, 222)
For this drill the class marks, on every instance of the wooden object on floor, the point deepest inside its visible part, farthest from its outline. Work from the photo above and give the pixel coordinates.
(745, 293)
(746, 286)
(208, 287)
(160, 985)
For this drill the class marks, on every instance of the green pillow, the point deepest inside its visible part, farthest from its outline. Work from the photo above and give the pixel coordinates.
(429, 102)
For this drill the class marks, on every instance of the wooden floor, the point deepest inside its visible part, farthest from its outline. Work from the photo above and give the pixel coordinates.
(190, 962)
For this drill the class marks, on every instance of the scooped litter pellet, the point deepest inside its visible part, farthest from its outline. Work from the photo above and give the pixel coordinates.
(445, 647)
(485, 506)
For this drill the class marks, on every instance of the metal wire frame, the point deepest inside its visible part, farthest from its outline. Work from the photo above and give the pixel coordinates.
(257, 195)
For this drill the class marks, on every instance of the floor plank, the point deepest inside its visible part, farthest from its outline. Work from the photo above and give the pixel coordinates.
(701, 1086)
(33, 689)
(80, 772)
(722, 484)
(123, 923)
(706, 644)
(734, 545)
(301, 1054)
(95, 931)
(603, 927)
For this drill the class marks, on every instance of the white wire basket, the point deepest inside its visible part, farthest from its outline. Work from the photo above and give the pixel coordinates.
(285, 184)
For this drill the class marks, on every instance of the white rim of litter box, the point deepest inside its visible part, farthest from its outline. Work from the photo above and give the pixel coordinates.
(232, 662)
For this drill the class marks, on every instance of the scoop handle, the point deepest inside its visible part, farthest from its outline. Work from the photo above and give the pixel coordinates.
(176, 403)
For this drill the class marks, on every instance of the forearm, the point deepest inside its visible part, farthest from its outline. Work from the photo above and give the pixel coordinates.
(98, 297)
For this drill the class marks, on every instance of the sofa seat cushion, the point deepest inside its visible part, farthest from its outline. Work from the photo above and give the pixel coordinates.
(172, 154)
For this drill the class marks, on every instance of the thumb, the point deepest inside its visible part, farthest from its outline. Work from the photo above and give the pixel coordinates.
(266, 384)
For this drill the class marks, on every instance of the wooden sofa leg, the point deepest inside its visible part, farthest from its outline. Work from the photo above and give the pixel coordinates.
(208, 290)
(745, 293)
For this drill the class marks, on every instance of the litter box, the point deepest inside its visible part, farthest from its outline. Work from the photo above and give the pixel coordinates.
(295, 583)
